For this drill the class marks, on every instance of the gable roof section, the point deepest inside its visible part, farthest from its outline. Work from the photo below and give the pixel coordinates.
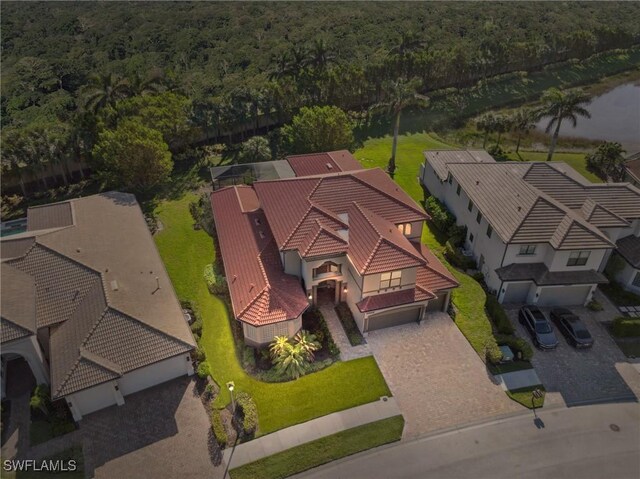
(261, 293)
(632, 167)
(322, 163)
(14, 248)
(629, 249)
(376, 245)
(17, 304)
(56, 215)
(600, 216)
(439, 159)
(321, 241)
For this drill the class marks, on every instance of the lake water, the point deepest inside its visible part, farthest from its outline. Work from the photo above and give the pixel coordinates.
(615, 116)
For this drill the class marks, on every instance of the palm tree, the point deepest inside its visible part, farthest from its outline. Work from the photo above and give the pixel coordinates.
(560, 106)
(607, 162)
(320, 57)
(398, 95)
(105, 90)
(142, 85)
(307, 343)
(13, 155)
(279, 346)
(297, 61)
(487, 124)
(293, 362)
(405, 50)
(502, 125)
(522, 122)
(282, 64)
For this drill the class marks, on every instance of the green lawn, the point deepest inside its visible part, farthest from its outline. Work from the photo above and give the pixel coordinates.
(469, 298)
(321, 451)
(524, 396)
(186, 252)
(576, 160)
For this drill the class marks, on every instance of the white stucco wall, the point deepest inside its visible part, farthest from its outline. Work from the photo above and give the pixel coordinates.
(263, 335)
(157, 373)
(308, 267)
(93, 399)
(291, 262)
(371, 282)
(558, 262)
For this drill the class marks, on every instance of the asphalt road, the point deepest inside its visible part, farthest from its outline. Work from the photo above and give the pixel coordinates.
(578, 442)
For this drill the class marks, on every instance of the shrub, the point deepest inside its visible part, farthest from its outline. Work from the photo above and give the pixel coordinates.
(248, 357)
(249, 413)
(202, 213)
(498, 316)
(594, 305)
(457, 234)
(199, 354)
(624, 327)
(517, 344)
(203, 370)
(456, 258)
(41, 399)
(440, 215)
(498, 153)
(217, 284)
(349, 324)
(219, 432)
(478, 276)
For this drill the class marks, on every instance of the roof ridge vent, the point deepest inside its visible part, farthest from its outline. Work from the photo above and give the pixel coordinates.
(114, 285)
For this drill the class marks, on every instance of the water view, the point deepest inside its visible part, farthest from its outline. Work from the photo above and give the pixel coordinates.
(615, 116)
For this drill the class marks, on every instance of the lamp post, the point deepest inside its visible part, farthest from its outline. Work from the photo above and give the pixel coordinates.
(535, 394)
(231, 386)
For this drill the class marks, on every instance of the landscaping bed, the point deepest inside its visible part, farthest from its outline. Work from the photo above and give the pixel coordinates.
(349, 325)
(48, 419)
(322, 451)
(524, 396)
(186, 252)
(625, 332)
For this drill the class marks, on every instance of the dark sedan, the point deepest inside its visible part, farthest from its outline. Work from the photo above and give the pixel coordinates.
(572, 327)
(538, 326)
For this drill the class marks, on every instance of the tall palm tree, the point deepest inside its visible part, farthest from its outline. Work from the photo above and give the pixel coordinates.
(487, 124)
(502, 125)
(560, 106)
(281, 66)
(398, 95)
(104, 90)
(522, 122)
(409, 43)
(142, 85)
(320, 57)
(297, 60)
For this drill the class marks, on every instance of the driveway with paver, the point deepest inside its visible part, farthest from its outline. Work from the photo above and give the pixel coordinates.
(435, 375)
(158, 432)
(581, 376)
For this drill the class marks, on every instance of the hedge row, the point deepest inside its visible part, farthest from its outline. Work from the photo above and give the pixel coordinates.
(349, 324)
(217, 426)
(498, 316)
(624, 327)
(249, 415)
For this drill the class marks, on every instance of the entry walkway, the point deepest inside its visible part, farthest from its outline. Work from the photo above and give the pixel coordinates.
(347, 352)
(310, 431)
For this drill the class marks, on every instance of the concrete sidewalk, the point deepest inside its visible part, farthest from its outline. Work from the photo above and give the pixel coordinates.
(310, 431)
(519, 379)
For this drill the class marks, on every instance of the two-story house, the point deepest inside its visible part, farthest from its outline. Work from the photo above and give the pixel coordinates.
(335, 232)
(539, 232)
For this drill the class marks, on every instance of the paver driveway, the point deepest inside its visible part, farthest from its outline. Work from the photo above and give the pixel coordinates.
(581, 376)
(437, 378)
(160, 432)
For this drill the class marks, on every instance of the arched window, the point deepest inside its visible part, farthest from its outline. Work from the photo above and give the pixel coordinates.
(327, 268)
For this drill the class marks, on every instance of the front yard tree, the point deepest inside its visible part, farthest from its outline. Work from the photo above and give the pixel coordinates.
(318, 128)
(522, 122)
(133, 156)
(562, 105)
(398, 95)
(607, 162)
(292, 358)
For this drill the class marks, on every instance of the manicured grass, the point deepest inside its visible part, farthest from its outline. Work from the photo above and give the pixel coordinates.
(469, 298)
(321, 451)
(523, 396)
(576, 160)
(186, 252)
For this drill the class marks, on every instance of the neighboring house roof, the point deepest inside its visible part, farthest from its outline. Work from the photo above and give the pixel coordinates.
(101, 284)
(439, 159)
(540, 274)
(632, 167)
(629, 249)
(17, 304)
(321, 163)
(261, 293)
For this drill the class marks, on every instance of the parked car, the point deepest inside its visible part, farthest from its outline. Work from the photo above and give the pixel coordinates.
(572, 327)
(539, 327)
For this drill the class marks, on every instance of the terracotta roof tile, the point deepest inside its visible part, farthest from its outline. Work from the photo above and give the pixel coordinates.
(395, 298)
(321, 163)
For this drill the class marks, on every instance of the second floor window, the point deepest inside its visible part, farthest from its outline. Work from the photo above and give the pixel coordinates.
(327, 268)
(458, 190)
(578, 258)
(390, 280)
(489, 231)
(527, 250)
(405, 228)
(470, 205)
(479, 217)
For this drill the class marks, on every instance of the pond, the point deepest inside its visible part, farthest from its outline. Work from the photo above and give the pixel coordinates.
(615, 116)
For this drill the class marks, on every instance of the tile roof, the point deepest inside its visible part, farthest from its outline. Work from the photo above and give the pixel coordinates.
(629, 249)
(56, 215)
(540, 274)
(439, 159)
(260, 291)
(17, 304)
(395, 298)
(321, 163)
(632, 166)
(86, 281)
(321, 241)
(15, 248)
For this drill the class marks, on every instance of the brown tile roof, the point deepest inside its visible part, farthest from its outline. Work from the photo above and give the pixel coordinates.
(600, 216)
(540, 274)
(321, 241)
(395, 298)
(260, 291)
(629, 249)
(632, 166)
(104, 265)
(15, 248)
(56, 215)
(439, 159)
(17, 304)
(321, 163)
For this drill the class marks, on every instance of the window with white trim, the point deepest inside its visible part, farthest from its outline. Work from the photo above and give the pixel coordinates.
(405, 228)
(527, 250)
(390, 279)
(578, 258)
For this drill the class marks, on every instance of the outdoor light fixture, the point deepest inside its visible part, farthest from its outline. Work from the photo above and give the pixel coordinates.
(230, 386)
(310, 297)
(344, 290)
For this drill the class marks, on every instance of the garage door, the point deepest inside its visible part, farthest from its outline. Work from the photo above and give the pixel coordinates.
(516, 292)
(437, 303)
(563, 296)
(393, 318)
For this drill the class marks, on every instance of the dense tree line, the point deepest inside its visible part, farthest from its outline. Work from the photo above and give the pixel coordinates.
(71, 72)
